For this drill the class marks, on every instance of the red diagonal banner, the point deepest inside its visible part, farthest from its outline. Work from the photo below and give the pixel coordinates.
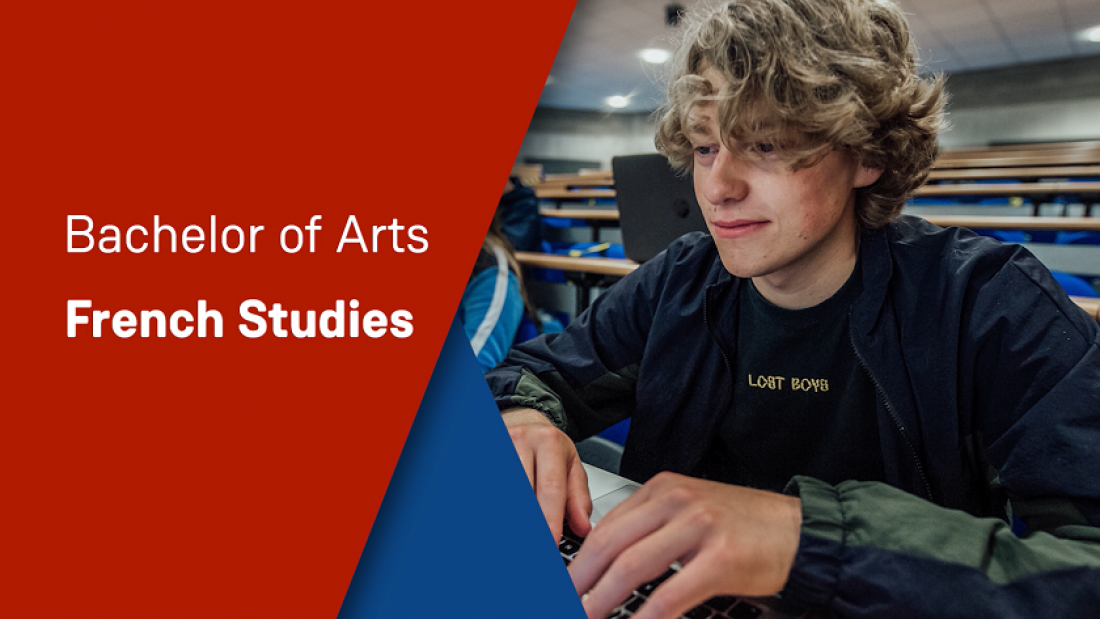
(158, 469)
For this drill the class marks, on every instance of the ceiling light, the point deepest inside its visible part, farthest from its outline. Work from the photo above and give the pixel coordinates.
(618, 101)
(1093, 34)
(655, 55)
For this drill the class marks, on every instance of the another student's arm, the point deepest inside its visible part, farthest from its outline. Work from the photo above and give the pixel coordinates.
(491, 314)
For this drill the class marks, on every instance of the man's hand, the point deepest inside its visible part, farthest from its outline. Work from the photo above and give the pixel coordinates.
(553, 468)
(729, 540)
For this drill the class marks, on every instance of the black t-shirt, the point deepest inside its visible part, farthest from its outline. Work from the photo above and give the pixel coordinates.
(802, 403)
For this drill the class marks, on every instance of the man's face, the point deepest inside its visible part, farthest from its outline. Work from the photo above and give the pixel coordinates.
(790, 230)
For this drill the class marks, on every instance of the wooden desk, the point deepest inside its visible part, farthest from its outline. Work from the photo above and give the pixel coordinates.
(1092, 306)
(1019, 148)
(616, 267)
(561, 194)
(606, 271)
(1021, 159)
(973, 174)
(1070, 224)
(1010, 189)
(584, 273)
(958, 189)
(1040, 192)
(1088, 190)
(587, 214)
(575, 187)
(565, 193)
(1026, 161)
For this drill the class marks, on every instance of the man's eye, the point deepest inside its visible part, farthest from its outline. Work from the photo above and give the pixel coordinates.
(764, 147)
(703, 150)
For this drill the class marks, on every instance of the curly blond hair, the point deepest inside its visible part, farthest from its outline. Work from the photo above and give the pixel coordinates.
(809, 76)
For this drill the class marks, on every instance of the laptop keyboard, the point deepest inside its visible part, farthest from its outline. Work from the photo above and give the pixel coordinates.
(722, 607)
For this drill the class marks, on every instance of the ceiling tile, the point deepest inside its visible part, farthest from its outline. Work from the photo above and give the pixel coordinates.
(599, 51)
(1044, 48)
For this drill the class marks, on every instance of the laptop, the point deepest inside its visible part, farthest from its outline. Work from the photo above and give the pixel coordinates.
(656, 204)
(607, 491)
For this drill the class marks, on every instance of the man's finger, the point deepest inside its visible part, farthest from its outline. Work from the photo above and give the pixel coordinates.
(692, 586)
(550, 486)
(527, 459)
(642, 562)
(608, 541)
(579, 502)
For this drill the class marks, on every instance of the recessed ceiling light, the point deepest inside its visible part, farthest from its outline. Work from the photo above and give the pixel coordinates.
(655, 55)
(618, 101)
(1093, 34)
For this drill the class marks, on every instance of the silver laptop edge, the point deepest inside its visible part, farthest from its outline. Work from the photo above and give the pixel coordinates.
(607, 490)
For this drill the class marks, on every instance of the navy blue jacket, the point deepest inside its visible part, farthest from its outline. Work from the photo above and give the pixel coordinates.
(988, 379)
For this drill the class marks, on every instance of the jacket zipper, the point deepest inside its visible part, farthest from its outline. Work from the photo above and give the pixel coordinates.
(726, 360)
(721, 349)
(893, 415)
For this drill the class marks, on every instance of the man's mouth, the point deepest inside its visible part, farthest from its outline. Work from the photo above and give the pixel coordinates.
(737, 228)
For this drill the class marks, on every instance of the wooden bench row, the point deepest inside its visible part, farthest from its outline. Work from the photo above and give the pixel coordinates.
(1022, 155)
(1021, 173)
(1040, 191)
(607, 216)
(564, 182)
(587, 273)
(1051, 160)
(1009, 149)
(1040, 171)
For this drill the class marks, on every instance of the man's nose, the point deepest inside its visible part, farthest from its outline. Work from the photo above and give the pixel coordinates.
(727, 181)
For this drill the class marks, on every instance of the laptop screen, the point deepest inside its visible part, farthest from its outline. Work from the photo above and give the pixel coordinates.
(656, 205)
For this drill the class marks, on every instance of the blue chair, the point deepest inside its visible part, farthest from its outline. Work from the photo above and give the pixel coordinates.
(1074, 286)
(526, 331)
(617, 433)
(1077, 238)
(1007, 236)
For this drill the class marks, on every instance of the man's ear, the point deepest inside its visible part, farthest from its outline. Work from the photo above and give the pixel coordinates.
(866, 176)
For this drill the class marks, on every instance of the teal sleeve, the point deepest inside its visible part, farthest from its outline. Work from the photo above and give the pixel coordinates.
(476, 313)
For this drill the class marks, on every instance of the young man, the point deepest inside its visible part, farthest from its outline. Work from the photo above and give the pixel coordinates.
(828, 401)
